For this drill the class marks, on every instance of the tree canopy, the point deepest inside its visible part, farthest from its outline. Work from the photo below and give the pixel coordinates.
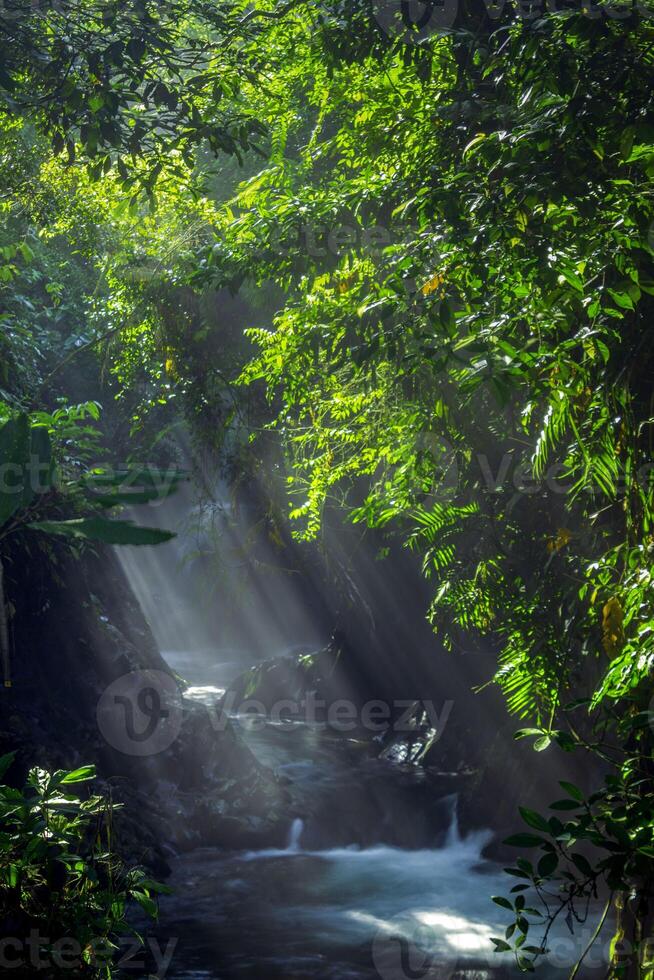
(444, 227)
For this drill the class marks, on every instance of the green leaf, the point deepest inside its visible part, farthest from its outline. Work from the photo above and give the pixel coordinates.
(107, 531)
(446, 315)
(548, 864)
(526, 732)
(132, 497)
(572, 278)
(517, 872)
(109, 487)
(533, 819)
(577, 703)
(156, 478)
(573, 790)
(12, 875)
(80, 775)
(156, 886)
(564, 805)
(475, 141)
(500, 945)
(147, 904)
(502, 902)
(623, 299)
(583, 864)
(564, 740)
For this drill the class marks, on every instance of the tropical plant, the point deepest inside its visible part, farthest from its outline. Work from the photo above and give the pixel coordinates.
(595, 853)
(62, 886)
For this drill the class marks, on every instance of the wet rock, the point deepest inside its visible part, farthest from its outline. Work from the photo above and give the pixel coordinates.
(292, 678)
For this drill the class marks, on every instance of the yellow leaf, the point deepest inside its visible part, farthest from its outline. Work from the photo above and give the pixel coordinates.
(560, 540)
(432, 285)
(612, 627)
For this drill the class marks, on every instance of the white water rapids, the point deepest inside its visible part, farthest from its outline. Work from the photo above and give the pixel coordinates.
(346, 912)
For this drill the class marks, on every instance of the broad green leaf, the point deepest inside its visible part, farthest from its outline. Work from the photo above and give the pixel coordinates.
(11, 875)
(533, 819)
(479, 138)
(147, 904)
(501, 946)
(583, 864)
(107, 531)
(548, 864)
(573, 790)
(564, 805)
(502, 902)
(80, 775)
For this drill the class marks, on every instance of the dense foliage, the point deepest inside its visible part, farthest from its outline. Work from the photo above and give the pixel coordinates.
(60, 882)
(125, 82)
(464, 230)
(452, 232)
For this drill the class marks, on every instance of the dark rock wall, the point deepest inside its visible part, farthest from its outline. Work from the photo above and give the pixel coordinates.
(75, 629)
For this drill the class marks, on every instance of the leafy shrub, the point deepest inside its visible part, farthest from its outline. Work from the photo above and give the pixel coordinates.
(60, 879)
(593, 858)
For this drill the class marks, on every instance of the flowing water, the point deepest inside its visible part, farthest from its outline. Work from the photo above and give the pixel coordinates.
(385, 887)
(373, 880)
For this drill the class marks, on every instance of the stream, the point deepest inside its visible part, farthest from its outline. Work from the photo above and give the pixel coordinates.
(374, 879)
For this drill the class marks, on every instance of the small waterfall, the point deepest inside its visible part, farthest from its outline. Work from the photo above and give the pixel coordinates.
(453, 833)
(294, 835)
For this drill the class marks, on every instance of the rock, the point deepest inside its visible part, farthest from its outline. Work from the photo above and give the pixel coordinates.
(76, 633)
(320, 673)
